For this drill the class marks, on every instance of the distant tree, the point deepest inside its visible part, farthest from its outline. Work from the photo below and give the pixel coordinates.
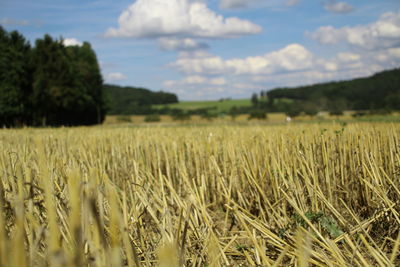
(293, 110)
(164, 110)
(370, 93)
(152, 118)
(310, 109)
(234, 112)
(208, 115)
(15, 79)
(134, 100)
(392, 101)
(254, 99)
(180, 115)
(161, 97)
(258, 114)
(263, 94)
(337, 106)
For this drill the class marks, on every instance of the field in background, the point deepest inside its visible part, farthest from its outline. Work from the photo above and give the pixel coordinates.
(221, 106)
(273, 118)
(288, 195)
(194, 119)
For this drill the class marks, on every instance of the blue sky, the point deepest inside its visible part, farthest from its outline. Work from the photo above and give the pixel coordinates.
(211, 49)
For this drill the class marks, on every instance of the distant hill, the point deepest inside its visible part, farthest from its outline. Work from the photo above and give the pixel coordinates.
(132, 100)
(380, 91)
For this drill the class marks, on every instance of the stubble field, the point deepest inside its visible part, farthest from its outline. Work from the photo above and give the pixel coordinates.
(288, 195)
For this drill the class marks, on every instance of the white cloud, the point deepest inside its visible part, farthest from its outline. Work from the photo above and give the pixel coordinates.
(208, 75)
(186, 44)
(199, 87)
(389, 57)
(291, 58)
(338, 7)
(330, 66)
(115, 76)
(71, 42)
(178, 18)
(348, 57)
(384, 33)
(218, 81)
(328, 35)
(196, 80)
(372, 48)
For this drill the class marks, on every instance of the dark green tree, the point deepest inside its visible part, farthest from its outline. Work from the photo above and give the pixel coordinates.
(180, 115)
(337, 106)
(310, 108)
(89, 81)
(234, 112)
(15, 79)
(254, 99)
(377, 92)
(54, 87)
(258, 114)
(67, 86)
(293, 110)
(132, 100)
(208, 115)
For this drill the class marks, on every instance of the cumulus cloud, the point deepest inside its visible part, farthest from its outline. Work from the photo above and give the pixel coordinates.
(207, 75)
(389, 57)
(348, 57)
(201, 87)
(178, 18)
(384, 33)
(115, 76)
(71, 42)
(185, 44)
(291, 58)
(196, 80)
(338, 7)
(213, 76)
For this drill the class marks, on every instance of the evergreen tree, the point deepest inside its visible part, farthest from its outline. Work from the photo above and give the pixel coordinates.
(53, 82)
(67, 84)
(50, 84)
(254, 99)
(89, 81)
(15, 79)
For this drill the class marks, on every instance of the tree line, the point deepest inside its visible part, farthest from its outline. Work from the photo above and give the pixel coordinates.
(134, 100)
(377, 93)
(48, 84)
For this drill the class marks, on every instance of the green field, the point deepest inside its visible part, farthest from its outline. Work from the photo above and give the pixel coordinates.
(221, 106)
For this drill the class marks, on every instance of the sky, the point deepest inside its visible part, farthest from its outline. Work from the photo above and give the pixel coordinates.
(213, 49)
